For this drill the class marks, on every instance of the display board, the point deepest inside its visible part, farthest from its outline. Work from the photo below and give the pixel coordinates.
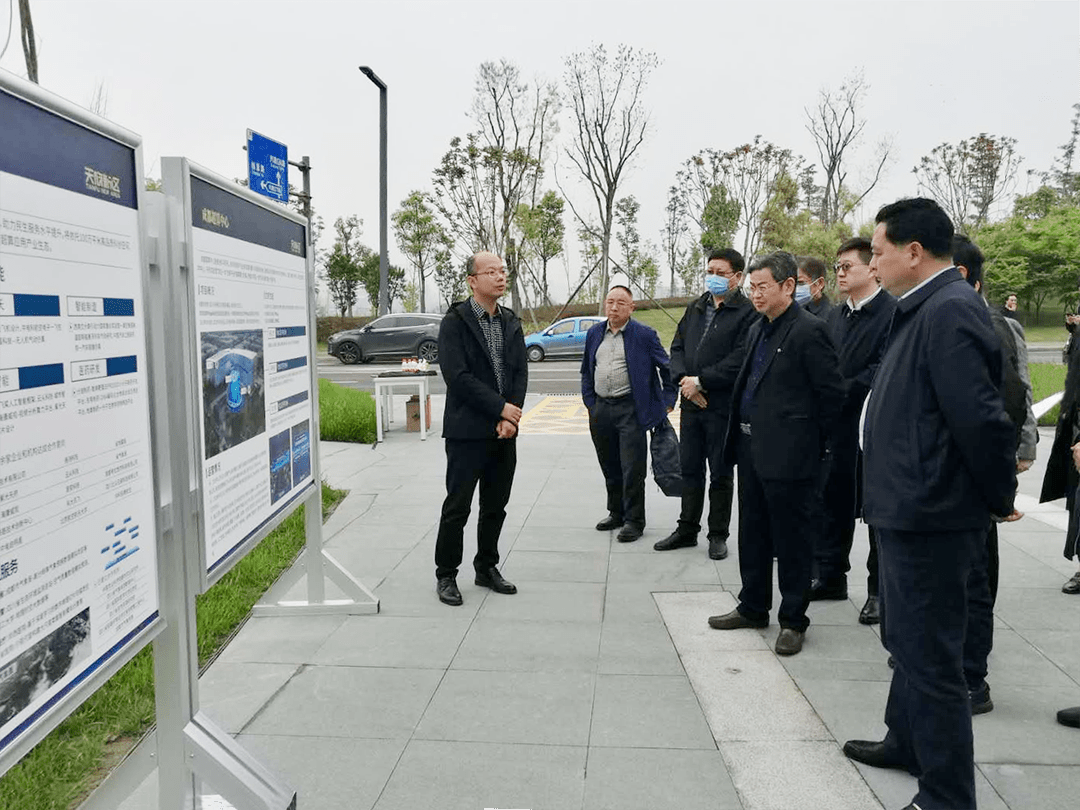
(78, 555)
(252, 349)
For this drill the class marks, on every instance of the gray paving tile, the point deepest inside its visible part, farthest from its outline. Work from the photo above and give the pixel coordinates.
(631, 602)
(638, 648)
(1047, 787)
(686, 615)
(1062, 647)
(280, 639)
(1037, 608)
(529, 646)
(851, 710)
(897, 789)
(1015, 661)
(647, 711)
(801, 668)
(394, 641)
(544, 708)
(473, 775)
(231, 694)
(650, 778)
(401, 595)
(557, 566)
(376, 536)
(1023, 728)
(323, 770)
(349, 702)
(762, 773)
(662, 568)
(548, 601)
(853, 642)
(563, 539)
(843, 612)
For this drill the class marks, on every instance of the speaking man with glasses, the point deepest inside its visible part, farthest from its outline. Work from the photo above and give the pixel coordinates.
(482, 358)
(785, 406)
(859, 327)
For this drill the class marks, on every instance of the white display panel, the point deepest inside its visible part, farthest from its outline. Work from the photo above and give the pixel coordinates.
(78, 557)
(249, 278)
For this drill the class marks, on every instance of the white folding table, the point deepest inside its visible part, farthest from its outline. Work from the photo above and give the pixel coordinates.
(384, 406)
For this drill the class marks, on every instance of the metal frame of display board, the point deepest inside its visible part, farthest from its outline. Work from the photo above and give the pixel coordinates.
(177, 174)
(68, 701)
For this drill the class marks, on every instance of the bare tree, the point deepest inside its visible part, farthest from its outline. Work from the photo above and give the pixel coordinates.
(29, 44)
(969, 177)
(99, 104)
(836, 126)
(482, 180)
(673, 232)
(609, 125)
(752, 172)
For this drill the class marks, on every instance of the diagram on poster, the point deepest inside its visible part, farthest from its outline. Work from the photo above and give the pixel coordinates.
(251, 315)
(78, 567)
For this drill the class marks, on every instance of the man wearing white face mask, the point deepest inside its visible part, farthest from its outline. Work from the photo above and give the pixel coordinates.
(810, 287)
(706, 355)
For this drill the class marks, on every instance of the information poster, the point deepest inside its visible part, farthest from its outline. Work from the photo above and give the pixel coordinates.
(78, 567)
(254, 356)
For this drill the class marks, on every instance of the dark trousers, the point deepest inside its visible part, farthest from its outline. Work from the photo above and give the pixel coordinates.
(490, 462)
(924, 581)
(773, 518)
(701, 441)
(622, 450)
(982, 593)
(832, 548)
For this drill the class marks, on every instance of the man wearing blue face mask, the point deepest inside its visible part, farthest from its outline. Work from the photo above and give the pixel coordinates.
(810, 287)
(706, 355)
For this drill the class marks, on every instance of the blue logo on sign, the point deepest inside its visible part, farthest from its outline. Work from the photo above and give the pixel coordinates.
(268, 167)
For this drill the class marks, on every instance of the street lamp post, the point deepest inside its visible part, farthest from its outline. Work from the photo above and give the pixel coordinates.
(384, 260)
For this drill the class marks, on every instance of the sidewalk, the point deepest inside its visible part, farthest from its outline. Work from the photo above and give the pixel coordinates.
(599, 685)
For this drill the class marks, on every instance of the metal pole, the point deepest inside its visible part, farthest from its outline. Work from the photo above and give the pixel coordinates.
(384, 256)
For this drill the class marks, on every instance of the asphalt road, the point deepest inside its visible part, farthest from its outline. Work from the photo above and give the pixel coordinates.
(546, 377)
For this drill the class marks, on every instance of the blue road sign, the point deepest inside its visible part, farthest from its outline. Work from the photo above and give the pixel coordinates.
(268, 167)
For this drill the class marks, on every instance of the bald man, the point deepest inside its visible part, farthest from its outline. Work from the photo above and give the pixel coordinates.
(482, 358)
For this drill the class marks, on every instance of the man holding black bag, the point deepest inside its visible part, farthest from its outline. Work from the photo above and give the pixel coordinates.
(706, 354)
(627, 388)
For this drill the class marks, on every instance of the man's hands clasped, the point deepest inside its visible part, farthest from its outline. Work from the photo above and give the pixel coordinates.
(507, 427)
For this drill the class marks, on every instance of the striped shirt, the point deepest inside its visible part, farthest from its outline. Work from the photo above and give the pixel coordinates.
(611, 378)
(492, 327)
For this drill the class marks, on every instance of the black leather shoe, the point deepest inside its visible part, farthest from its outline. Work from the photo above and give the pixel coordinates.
(820, 589)
(980, 699)
(1073, 585)
(872, 753)
(1070, 717)
(871, 611)
(629, 533)
(789, 642)
(718, 549)
(494, 580)
(609, 524)
(674, 540)
(448, 591)
(735, 621)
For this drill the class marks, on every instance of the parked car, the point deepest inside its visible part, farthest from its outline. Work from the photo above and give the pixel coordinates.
(565, 338)
(405, 334)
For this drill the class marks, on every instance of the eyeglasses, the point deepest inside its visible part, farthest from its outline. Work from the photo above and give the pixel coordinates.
(755, 289)
(845, 267)
(500, 272)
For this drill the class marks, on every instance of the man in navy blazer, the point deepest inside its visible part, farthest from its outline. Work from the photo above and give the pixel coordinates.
(627, 388)
(940, 462)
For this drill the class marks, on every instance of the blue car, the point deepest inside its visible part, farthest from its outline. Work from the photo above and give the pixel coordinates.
(565, 338)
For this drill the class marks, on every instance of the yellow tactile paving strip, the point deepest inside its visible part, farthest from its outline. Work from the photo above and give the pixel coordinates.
(563, 416)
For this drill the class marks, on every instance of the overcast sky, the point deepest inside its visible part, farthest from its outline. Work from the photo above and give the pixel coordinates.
(191, 77)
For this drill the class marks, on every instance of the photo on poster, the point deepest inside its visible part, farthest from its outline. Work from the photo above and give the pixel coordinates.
(35, 670)
(301, 452)
(280, 466)
(233, 390)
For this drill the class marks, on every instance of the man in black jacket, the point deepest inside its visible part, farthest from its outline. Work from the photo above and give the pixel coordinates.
(811, 277)
(940, 460)
(858, 326)
(482, 358)
(706, 355)
(785, 407)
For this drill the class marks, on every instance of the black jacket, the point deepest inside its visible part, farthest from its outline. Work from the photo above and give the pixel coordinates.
(473, 402)
(1060, 477)
(796, 404)
(822, 307)
(860, 342)
(939, 449)
(716, 360)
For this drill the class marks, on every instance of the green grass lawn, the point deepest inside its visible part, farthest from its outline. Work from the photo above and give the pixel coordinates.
(1046, 334)
(659, 320)
(1047, 379)
(345, 414)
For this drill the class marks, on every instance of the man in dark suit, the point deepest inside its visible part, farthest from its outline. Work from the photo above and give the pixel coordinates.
(785, 407)
(706, 355)
(810, 289)
(858, 326)
(940, 461)
(482, 359)
(627, 388)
